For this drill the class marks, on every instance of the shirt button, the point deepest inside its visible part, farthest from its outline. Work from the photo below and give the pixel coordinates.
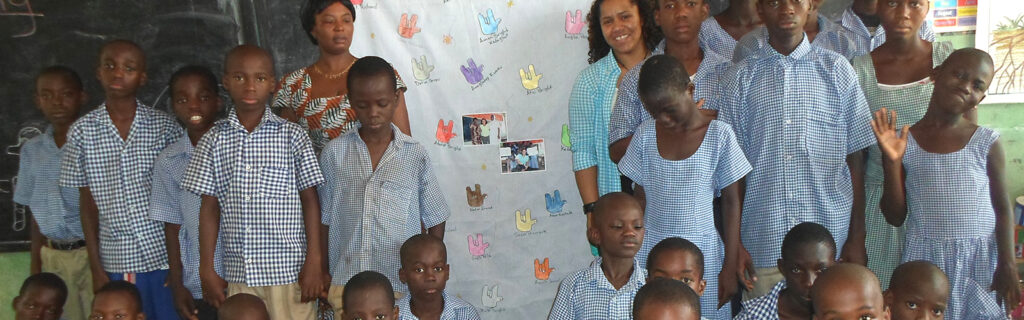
(248, 168)
(789, 157)
(249, 261)
(247, 198)
(788, 121)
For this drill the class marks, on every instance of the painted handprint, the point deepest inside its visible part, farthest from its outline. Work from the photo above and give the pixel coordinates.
(573, 25)
(477, 247)
(421, 69)
(524, 222)
(407, 27)
(554, 203)
(474, 73)
(490, 297)
(357, 2)
(566, 140)
(445, 133)
(475, 198)
(542, 270)
(531, 80)
(488, 24)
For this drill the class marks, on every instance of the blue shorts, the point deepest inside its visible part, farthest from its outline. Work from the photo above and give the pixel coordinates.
(157, 301)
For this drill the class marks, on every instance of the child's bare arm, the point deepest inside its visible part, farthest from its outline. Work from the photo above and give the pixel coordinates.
(854, 250)
(91, 231)
(738, 268)
(893, 144)
(209, 226)
(437, 231)
(183, 303)
(311, 276)
(1005, 279)
(617, 149)
(401, 117)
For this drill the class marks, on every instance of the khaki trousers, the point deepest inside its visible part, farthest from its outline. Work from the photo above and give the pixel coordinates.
(72, 266)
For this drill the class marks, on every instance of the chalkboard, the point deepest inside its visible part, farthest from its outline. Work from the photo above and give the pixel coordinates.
(38, 33)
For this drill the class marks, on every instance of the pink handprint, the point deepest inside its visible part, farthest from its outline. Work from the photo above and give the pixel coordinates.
(477, 247)
(573, 25)
(407, 27)
(357, 2)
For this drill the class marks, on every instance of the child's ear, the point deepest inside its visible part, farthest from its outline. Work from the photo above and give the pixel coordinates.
(83, 97)
(143, 79)
(703, 284)
(14, 303)
(594, 235)
(141, 315)
(778, 265)
(447, 275)
(401, 275)
(887, 296)
(395, 312)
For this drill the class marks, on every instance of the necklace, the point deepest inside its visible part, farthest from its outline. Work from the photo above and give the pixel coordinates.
(336, 75)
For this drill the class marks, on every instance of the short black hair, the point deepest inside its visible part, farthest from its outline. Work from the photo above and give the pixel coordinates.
(45, 280)
(314, 7)
(136, 46)
(125, 287)
(59, 70)
(370, 66)
(659, 75)
(665, 291)
(367, 280)
(806, 233)
(608, 199)
(676, 243)
(417, 241)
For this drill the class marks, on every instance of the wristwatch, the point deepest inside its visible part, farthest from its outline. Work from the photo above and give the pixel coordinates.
(588, 208)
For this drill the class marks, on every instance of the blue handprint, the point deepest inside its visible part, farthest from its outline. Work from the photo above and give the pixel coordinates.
(473, 72)
(554, 203)
(488, 24)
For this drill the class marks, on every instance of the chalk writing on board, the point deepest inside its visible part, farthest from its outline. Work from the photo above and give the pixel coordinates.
(20, 218)
(24, 134)
(21, 10)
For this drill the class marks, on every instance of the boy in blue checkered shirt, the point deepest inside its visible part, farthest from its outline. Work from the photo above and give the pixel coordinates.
(57, 240)
(109, 157)
(257, 175)
(380, 186)
(605, 289)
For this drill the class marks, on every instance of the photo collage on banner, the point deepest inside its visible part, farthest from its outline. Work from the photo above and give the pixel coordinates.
(488, 91)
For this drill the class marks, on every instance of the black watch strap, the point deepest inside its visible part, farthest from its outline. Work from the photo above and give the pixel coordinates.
(588, 208)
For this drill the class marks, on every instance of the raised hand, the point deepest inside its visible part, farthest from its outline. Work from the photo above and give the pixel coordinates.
(445, 133)
(407, 27)
(421, 69)
(488, 24)
(542, 271)
(566, 141)
(490, 297)
(473, 72)
(531, 80)
(475, 198)
(573, 25)
(477, 247)
(554, 203)
(891, 141)
(524, 222)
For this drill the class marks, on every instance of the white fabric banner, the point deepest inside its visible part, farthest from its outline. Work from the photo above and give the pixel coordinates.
(513, 64)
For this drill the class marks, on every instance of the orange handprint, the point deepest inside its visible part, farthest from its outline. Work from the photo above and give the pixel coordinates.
(445, 133)
(407, 27)
(542, 270)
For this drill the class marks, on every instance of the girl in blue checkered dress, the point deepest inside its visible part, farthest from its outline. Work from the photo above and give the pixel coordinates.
(683, 159)
(949, 173)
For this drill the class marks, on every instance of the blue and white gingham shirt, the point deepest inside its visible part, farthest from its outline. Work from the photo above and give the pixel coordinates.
(372, 212)
(830, 36)
(629, 111)
(454, 308)
(590, 108)
(765, 307)
(796, 117)
(54, 208)
(587, 295)
(118, 173)
(170, 204)
(256, 178)
(865, 40)
(713, 38)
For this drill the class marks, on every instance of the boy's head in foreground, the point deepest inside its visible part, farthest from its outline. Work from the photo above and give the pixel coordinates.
(121, 69)
(59, 95)
(666, 299)
(618, 225)
(42, 296)
(369, 295)
(961, 80)
(848, 291)
(243, 306)
(666, 91)
(249, 77)
(918, 290)
(194, 97)
(807, 250)
(117, 300)
(424, 266)
(372, 92)
(677, 259)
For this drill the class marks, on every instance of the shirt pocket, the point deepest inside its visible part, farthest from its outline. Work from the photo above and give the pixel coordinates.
(825, 137)
(277, 182)
(395, 199)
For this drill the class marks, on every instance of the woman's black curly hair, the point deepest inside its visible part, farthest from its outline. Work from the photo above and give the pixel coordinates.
(314, 7)
(600, 48)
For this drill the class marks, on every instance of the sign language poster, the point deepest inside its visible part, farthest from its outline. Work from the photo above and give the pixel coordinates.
(489, 85)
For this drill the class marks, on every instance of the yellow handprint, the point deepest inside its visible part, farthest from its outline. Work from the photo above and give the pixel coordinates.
(524, 222)
(530, 80)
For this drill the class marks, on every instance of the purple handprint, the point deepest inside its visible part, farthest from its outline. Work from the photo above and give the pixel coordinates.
(474, 73)
(477, 247)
